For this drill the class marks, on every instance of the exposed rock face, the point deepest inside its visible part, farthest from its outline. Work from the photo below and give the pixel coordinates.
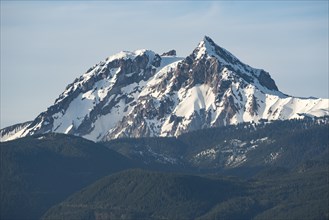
(14, 131)
(265, 80)
(99, 91)
(138, 94)
(209, 88)
(169, 53)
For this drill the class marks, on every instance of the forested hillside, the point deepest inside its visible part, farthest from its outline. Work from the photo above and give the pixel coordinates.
(269, 170)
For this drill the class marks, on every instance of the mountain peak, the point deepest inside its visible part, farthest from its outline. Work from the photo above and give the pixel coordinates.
(142, 94)
(209, 43)
(208, 48)
(207, 38)
(204, 48)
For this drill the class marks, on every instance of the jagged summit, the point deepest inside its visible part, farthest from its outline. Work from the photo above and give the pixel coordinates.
(208, 49)
(142, 94)
(208, 39)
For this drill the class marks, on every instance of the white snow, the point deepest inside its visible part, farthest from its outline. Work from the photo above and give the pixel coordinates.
(167, 64)
(14, 134)
(68, 129)
(196, 98)
(235, 161)
(209, 153)
(130, 55)
(41, 138)
(106, 122)
(78, 109)
(133, 89)
(166, 128)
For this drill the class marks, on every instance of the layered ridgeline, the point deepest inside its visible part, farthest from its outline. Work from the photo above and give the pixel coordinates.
(143, 94)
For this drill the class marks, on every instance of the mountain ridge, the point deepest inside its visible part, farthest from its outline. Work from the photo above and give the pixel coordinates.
(143, 94)
(152, 195)
(42, 170)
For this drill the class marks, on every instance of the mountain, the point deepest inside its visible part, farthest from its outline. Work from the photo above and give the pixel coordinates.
(138, 194)
(143, 94)
(38, 172)
(241, 150)
(280, 170)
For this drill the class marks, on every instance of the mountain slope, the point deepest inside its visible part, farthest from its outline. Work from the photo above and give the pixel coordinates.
(14, 131)
(241, 149)
(142, 94)
(290, 157)
(138, 194)
(210, 88)
(40, 171)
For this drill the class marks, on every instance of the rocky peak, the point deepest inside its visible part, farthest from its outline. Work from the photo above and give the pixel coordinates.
(98, 90)
(208, 51)
(169, 53)
(208, 48)
(142, 94)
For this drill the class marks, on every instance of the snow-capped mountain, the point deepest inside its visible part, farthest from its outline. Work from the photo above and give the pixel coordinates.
(136, 94)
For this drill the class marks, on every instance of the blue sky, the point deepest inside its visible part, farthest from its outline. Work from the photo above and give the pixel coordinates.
(45, 45)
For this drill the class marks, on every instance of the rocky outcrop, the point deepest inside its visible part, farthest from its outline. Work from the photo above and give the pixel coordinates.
(169, 53)
(14, 131)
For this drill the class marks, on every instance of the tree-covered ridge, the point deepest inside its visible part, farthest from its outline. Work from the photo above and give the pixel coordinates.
(138, 194)
(285, 173)
(38, 172)
(279, 143)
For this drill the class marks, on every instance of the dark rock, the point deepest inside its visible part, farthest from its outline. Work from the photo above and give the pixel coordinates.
(266, 81)
(169, 53)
